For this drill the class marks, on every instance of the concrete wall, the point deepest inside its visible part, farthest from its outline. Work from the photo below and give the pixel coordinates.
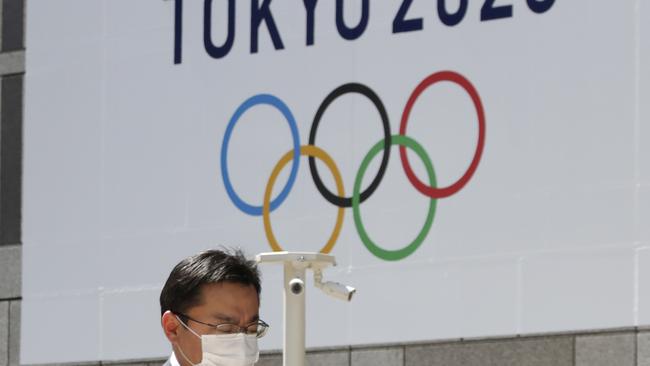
(12, 69)
(623, 347)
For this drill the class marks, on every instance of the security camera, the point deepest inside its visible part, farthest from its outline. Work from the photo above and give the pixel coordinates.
(297, 286)
(334, 289)
(338, 290)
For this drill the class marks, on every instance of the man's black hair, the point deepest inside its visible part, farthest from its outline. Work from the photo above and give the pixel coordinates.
(183, 287)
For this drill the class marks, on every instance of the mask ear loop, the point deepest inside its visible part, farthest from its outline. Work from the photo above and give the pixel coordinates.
(187, 327)
(179, 346)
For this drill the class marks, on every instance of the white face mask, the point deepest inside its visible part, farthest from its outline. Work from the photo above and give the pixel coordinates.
(236, 349)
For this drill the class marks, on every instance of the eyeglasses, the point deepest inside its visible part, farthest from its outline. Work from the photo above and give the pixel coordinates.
(257, 328)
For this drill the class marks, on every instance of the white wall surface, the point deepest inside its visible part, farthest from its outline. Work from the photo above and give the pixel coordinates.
(122, 172)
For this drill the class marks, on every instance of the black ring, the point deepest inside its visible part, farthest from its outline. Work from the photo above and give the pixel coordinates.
(367, 92)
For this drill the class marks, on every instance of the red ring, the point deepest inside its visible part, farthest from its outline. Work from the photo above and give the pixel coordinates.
(476, 99)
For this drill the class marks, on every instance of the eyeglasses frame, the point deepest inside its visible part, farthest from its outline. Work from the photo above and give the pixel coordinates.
(261, 322)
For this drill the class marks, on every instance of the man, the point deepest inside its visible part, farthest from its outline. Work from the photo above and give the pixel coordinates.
(210, 310)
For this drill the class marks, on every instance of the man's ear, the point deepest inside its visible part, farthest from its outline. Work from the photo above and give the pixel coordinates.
(170, 325)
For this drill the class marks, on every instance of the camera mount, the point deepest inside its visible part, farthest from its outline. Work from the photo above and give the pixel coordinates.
(296, 265)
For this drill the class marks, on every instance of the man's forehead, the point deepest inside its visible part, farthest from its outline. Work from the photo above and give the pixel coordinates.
(227, 287)
(225, 318)
(228, 294)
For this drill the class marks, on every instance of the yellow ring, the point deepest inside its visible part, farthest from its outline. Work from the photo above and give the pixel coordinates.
(320, 154)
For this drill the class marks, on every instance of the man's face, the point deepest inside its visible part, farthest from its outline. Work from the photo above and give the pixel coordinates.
(224, 302)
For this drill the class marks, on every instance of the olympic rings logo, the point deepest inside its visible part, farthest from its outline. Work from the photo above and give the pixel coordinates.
(358, 196)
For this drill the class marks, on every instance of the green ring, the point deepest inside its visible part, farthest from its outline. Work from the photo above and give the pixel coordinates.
(393, 255)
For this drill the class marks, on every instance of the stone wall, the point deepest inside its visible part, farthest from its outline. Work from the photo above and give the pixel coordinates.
(620, 347)
(12, 69)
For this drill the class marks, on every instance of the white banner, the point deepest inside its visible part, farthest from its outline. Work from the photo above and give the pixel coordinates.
(487, 164)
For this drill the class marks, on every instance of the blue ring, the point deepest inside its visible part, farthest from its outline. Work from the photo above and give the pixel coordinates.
(279, 105)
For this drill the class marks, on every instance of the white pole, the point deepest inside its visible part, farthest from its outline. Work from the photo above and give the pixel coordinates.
(294, 315)
(295, 266)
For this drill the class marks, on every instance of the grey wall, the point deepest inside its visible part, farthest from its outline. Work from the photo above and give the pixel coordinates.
(623, 347)
(12, 69)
